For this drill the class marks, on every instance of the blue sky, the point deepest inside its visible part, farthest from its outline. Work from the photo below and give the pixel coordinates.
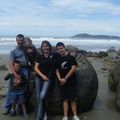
(59, 17)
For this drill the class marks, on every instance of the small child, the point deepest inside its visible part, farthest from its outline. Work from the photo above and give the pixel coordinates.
(17, 91)
(65, 71)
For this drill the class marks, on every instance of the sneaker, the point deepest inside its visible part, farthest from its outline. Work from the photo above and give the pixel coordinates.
(76, 118)
(65, 118)
(12, 113)
(45, 117)
(26, 115)
(5, 112)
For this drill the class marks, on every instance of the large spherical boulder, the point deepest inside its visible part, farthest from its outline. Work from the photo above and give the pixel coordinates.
(102, 54)
(114, 83)
(72, 48)
(111, 50)
(114, 77)
(118, 53)
(117, 99)
(112, 53)
(87, 87)
(87, 84)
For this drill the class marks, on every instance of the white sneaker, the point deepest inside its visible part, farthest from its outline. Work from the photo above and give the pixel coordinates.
(65, 118)
(45, 117)
(76, 118)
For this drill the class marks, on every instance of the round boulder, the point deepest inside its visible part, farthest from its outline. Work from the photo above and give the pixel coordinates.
(117, 99)
(118, 53)
(102, 54)
(111, 50)
(114, 83)
(87, 87)
(112, 53)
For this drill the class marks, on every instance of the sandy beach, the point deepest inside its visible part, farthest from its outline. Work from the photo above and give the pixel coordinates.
(104, 106)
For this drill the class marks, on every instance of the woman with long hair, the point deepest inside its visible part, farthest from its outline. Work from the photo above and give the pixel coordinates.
(44, 68)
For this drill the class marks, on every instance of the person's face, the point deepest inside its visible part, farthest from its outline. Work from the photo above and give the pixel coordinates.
(45, 48)
(61, 50)
(17, 67)
(27, 42)
(20, 41)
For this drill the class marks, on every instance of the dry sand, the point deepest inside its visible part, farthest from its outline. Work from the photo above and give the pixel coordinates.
(104, 106)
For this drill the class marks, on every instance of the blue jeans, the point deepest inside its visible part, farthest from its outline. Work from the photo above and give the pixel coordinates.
(41, 91)
(26, 73)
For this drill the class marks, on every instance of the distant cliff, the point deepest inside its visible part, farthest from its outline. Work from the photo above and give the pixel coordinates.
(89, 36)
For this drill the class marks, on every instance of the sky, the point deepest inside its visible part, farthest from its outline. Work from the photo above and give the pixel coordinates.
(59, 17)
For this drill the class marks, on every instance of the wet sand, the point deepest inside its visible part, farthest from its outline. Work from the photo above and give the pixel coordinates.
(104, 106)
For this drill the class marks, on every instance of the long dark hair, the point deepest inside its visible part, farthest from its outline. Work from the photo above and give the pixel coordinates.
(47, 43)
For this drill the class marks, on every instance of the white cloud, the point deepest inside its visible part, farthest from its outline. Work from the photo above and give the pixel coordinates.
(69, 16)
(87, 6)
(70, 7)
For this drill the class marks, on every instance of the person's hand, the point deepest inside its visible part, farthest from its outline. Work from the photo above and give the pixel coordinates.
(44, 77)
(17, 82)
(62, 81)
(17, 77)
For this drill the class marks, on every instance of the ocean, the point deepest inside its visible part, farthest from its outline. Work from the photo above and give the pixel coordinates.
(94, 45)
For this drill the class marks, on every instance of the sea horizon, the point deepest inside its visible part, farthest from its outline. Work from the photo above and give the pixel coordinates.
(94, 45)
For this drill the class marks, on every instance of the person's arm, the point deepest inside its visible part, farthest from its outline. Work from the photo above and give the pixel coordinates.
(8, 76)
(58, 74)
(36, 68)
(61, 80)
(11, 67)
(70, 73)
(73, 64)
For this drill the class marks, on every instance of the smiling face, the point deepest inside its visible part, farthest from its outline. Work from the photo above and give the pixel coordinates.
(61, 50)
(20, 41)
(45, 47)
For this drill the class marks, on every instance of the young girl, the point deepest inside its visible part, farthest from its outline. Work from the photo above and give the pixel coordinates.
(65, 71)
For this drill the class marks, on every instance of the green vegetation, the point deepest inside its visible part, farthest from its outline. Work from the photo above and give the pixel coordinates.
(112, 84)
(3, 67)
